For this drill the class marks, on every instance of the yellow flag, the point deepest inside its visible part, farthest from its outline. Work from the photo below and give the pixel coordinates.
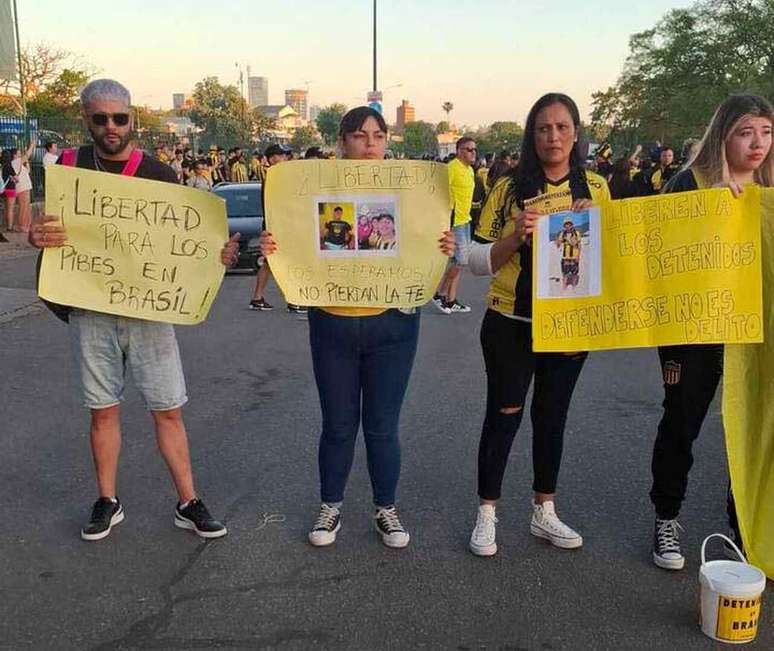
(136, 248)
(748, 417)
(357, 233)
(671, 269)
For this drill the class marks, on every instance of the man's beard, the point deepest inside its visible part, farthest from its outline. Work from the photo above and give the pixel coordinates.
(111, 148)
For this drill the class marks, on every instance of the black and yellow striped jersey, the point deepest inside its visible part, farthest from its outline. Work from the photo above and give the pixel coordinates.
(510, 292)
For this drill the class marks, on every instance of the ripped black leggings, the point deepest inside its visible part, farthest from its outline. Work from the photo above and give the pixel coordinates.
(510, 365)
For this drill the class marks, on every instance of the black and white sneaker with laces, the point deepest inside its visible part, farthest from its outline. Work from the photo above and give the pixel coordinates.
(105, 514)
(195, 517)
(326, 526)
(666, 545)
(389, 527)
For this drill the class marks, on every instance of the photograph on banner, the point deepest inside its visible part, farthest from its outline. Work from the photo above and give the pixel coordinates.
(673, 269)
(570, 254)
(336, 226)
(373, 236)
(135, 247)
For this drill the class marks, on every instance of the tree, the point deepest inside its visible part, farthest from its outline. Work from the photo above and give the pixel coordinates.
(52, 77)
(447, 107)
(677, 72)
(303, 138)
(442, 127)
(419, 139)
(502, 136)
(222, 112)
(328, 121)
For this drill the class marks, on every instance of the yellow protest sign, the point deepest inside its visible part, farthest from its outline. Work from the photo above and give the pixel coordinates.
(748, 417)
(357, 233)
(137, 248)
(671, 269)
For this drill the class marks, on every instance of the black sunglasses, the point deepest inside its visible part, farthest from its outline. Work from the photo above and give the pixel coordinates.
(469, 149)
(101, 119)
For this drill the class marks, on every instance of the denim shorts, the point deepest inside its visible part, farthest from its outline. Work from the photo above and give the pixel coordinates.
(461, 245)
(106, 346)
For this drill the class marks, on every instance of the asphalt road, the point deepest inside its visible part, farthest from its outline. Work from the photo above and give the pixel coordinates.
(253, 421)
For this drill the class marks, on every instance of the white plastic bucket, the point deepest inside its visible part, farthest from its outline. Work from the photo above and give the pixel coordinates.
(730, 597)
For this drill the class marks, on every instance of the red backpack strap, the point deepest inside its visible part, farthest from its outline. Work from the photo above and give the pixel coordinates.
(135, 158)
(69, 157)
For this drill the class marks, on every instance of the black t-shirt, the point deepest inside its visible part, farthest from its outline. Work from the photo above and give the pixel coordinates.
(337, 232)
(150, 168)
(683, 181)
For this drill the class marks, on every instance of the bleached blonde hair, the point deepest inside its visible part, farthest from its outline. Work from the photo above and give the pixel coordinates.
(710, 161)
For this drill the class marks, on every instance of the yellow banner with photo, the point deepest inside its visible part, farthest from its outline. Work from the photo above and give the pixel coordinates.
(357, 233)
(681, 268)
(748, 417)
(136, 248)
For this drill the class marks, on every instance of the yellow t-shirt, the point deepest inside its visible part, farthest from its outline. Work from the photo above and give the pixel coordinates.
(511, 290)
(462, 183)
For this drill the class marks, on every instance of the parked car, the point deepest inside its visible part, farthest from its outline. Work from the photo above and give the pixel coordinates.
(244, 209)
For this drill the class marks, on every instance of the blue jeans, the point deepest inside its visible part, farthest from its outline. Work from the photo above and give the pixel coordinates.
(361, 360)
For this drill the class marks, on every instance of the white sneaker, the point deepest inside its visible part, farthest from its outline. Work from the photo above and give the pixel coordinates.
(482, 540)
(390, 529)
(326, 526)
(546, 524)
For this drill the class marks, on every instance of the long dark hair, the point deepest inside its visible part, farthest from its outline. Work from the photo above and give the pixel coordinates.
(528, 178)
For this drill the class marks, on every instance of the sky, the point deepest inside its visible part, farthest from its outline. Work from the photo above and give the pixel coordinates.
(492, 60)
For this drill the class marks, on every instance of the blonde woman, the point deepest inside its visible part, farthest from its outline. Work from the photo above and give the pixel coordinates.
(21, 168)
(736, 151)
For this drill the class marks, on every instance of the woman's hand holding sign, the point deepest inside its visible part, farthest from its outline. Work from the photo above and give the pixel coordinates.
(230, 252)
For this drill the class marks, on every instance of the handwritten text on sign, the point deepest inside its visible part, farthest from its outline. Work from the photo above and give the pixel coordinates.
(675, 269)
(357, 233)
(136, 248)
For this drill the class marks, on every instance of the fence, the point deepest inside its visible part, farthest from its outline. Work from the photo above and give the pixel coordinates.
(15, 132)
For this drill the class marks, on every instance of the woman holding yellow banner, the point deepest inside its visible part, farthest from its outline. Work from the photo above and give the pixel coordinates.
(550, 176)
(735, 151)
(361, 356)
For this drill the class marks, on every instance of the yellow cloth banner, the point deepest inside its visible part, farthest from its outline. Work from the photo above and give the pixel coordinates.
(357, 233)
(748, 418)
(136, 248)
(680, 268)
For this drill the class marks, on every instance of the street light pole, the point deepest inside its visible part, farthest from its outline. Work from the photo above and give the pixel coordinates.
(375, 85)
(19, 56)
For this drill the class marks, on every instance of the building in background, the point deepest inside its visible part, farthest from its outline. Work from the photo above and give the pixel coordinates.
(299, 100)
(181, 101)
(257, 91)
(406, 113)
(286, 121)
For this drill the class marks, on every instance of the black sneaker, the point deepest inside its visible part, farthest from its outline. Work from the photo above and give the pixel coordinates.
(105, 514)
(197, 518)
(261, 305)
(389, 527)
(3, 238)
(296, 309)
(326, 526)
(666, 545)
(456, 307)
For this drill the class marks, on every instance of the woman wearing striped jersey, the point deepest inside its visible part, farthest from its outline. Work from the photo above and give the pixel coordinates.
(551, 163)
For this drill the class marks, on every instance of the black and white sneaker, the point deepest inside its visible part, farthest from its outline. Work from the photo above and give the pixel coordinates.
(389, 527)
(296, 309)
(455, 307)
(195, 517)
(666, 545)
(326, 526)
(261, 304)
(105, 514)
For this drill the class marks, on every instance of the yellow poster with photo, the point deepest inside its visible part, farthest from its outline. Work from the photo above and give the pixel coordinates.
(748, 417)
(669, 269)
(136, 248)
(357, 233)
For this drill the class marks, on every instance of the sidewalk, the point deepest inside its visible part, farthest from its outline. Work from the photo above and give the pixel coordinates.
(16, 302)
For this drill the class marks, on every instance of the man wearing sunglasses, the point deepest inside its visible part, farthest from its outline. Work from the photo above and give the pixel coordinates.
(462, 183)
(107, 346)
